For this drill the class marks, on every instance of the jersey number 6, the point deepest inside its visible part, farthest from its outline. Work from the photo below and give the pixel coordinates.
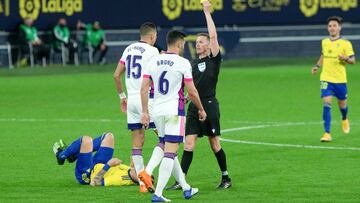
(163, 83)
(133, 64)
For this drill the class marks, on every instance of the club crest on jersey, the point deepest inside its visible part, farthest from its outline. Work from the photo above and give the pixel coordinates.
(202, 66)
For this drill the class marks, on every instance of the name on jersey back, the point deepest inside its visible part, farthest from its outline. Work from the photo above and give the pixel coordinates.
(165, 62)
(139, 48)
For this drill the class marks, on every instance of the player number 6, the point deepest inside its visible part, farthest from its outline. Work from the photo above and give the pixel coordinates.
(163, 83)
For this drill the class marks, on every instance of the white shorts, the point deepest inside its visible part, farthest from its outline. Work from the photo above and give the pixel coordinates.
(134, 111)
(171, 128)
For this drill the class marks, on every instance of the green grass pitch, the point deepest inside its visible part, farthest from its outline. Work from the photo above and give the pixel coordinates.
(273, 108)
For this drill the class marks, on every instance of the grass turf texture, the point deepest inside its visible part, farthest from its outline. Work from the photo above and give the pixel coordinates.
(39, 106)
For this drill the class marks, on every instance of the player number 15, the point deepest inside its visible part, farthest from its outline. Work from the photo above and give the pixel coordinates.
(133, 66)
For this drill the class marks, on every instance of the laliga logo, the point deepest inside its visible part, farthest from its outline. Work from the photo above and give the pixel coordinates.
(309, 7)
(172, 8)
(32, 8)
(29, 8)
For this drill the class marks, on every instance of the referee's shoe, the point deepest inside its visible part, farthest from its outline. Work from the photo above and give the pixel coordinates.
(225, 183)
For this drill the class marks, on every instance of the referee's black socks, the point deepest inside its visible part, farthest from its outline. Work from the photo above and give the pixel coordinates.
(221, 159)
(186, 161)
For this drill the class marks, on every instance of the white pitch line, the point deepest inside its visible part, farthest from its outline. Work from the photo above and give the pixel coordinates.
(271, 124)
(279, 144)
(284, 123)
(290, 145)
(58, 120)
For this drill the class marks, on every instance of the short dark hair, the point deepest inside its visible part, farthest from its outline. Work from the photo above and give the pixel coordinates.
(203, 34)
(173, 36)
(146, 28)
(338, 19)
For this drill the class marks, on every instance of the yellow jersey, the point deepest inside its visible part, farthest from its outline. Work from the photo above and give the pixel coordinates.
(115, 176)
(333, 69)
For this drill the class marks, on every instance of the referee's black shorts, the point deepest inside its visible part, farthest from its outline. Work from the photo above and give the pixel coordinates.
(211, 126)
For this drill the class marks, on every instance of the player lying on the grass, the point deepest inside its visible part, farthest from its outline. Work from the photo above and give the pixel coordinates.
(336, 53)
(100, 168)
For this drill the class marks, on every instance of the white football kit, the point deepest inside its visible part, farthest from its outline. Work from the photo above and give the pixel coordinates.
(135, 57)
(169, 72)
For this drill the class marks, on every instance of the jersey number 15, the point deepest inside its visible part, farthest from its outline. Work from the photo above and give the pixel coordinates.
(133, 66)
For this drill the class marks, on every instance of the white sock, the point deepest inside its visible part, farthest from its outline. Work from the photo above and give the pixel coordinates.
(155, 160)
(138, 163)
(224, 173)
(166, 167)
(179, 175)
(138, 160)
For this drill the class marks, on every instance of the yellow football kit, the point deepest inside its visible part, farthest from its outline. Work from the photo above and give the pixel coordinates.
(115, 176)
(333, 69)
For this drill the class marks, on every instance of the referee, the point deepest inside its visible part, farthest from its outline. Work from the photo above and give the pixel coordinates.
(205, 72)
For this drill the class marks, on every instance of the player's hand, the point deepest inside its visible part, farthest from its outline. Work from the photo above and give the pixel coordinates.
(206, 6)
(145, 120)
(343, 58)
(96, 181)
(114, 162)
(314, 70)
(202, 115)
(123, 105)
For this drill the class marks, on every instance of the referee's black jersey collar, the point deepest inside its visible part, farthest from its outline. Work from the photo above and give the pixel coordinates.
(208, 56)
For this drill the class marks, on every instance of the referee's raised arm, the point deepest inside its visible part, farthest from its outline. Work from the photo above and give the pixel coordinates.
(214, 44)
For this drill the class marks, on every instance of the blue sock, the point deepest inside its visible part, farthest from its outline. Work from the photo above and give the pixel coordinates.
(97, 142)
(327, 117)
(74, 148)
(103, 155)
(344, 112)
(83, 164)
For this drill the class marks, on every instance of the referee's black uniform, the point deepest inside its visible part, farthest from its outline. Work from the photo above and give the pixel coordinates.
(205, 74)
